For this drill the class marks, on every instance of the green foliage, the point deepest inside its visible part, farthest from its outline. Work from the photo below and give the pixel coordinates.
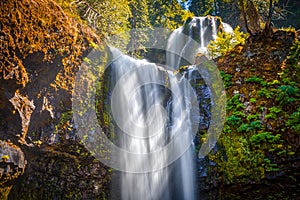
(252, 116)
(294, 121)
(131, 20)
(167, 14)
(287, 94)
(138, 21)
(227, 129)
(252, 100)
(271, 167)
(264, 133)
(234, 103)
(233, 120)
(241, 162)
(256, 124)
(255, 79)
(275, 109)
(239, 114)
(294, 60)
(285, 78)
(273, 112)
(286, 12)
(264, 92)
(256, 139)
(226, 42)
(226, 79)
(201, 8)
(244, 128)
(250, 127)
(112, 16)
(274, 82)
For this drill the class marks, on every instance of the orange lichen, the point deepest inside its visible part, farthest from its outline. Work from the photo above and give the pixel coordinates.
(32, 26)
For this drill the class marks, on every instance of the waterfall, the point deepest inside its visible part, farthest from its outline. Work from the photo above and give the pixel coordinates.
(193, 37)
(153, 111)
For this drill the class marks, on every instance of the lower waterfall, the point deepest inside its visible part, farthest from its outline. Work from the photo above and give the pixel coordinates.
(154, 110)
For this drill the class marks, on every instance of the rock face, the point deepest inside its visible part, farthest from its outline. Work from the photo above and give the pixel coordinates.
(62, 172)
(25, 108)
(12, 155)
(41, 49)
(258, 150)
(12, 165)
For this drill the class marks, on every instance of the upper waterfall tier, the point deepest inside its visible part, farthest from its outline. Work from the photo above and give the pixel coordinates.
(192, 38)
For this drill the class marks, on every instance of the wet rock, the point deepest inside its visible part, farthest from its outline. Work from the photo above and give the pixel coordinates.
(62, 172)
(25, 108)
(203, 167)
(12, 165)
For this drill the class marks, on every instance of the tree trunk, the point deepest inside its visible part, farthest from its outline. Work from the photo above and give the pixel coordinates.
(242, 7)
(268, 27)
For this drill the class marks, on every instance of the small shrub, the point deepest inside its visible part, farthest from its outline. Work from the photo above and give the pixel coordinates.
(286, 94)
(252, 116)
(244, 128)
(265, 93)
(233, 120)
(234, 103)
(252, 126)
(264, 137)
(253, 100)
(294, 121)
(255, 124)
(255, 79)
(226, 42)
(226, 79)
(270, 166)
(274, 111)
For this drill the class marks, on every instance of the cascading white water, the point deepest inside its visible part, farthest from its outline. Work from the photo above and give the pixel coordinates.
(193, 38)
(152, 110)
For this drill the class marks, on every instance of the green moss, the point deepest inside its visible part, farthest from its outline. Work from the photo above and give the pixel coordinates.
(262, 118)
